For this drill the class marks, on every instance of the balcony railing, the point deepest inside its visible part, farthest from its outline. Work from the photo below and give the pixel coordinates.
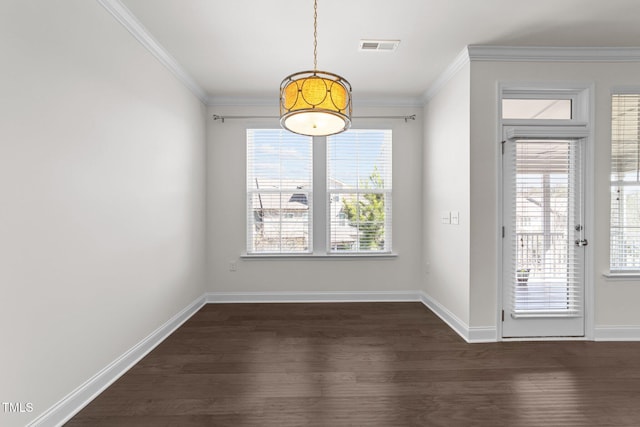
(543, 275)
(542, 252)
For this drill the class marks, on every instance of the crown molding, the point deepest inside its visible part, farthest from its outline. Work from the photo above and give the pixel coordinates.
(529, 54)
(553, 54)
(458, 63)
(128, 20)
(243, 101)
(125, 17)
(387, 101)
(468, 54)
(272, 101)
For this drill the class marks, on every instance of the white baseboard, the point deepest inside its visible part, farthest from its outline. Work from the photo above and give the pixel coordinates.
(454, 322)
(70, 405)
(617, 333)
(469, 334)
(478, 334)
(338, 296)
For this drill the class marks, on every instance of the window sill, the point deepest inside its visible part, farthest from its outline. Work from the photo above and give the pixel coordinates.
(622, 276)
(384, 255)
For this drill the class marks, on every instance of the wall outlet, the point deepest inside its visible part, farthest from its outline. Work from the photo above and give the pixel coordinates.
(233, 266)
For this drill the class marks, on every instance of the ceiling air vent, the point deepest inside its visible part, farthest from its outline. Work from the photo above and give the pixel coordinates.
(379, 45)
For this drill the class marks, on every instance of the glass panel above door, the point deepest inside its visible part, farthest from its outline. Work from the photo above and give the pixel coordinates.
(537, 109)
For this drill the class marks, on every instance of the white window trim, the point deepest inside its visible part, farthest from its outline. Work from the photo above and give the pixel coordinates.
(619, 275)
(333, 255)
(614, 275)
(577, 93)
(320, 229)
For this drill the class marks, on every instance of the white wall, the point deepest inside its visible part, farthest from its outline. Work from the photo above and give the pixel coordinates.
(447, 188)
(227, 213)
(101, 197)
(615, 301)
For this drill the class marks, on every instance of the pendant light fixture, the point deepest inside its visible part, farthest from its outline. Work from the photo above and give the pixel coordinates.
(315, 103)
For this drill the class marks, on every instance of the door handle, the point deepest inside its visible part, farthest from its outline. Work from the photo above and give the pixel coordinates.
(582, 242)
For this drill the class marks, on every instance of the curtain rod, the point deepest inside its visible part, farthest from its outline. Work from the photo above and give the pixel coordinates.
(223, 118)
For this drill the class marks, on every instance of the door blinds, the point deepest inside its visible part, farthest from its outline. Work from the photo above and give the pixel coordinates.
(545, 205)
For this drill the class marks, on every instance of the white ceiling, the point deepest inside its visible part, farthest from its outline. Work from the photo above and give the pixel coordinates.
(244, 48)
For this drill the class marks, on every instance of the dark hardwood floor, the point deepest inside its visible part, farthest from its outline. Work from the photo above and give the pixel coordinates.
(364, 364)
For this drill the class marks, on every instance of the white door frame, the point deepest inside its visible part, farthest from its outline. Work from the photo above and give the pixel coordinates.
(543, 325)
(582, 123)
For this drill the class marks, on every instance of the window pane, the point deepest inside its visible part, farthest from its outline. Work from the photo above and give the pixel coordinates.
(541, 109)
(359, 159)
(359, 182)
(625, 183)
(625, 155)
(280, 222)
(279, 191)
(358, 222)
(625, 228)
(278, 159)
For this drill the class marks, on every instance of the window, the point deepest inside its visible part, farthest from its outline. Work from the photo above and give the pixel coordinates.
(279, 192)
(536, 109)
(551, 104)
(359, 187)
(356, 210)
(625, 183)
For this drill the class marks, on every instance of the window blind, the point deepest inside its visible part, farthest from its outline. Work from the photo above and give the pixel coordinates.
(545, 202)
(359, 186)
(625, 183)
(279, 192)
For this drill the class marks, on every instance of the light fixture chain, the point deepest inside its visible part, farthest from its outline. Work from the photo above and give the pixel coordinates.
(315, 35)
(315, 103)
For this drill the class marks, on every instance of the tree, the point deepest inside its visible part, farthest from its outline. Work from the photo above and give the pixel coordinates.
(367, 214)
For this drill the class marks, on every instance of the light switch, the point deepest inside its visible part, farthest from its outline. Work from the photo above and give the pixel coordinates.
(445, 217)
(455, 217)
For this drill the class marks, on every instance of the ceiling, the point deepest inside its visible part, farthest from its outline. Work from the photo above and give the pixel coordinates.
(244, 48)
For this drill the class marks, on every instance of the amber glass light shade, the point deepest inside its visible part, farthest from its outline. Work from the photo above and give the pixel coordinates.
(315, 103)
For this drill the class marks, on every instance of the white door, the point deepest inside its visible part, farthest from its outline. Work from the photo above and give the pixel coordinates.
(543, 237)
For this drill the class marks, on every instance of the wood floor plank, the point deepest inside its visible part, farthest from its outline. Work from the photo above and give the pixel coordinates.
(364, 364)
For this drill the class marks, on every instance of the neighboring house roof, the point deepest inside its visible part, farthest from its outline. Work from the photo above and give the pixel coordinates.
(295, 201)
